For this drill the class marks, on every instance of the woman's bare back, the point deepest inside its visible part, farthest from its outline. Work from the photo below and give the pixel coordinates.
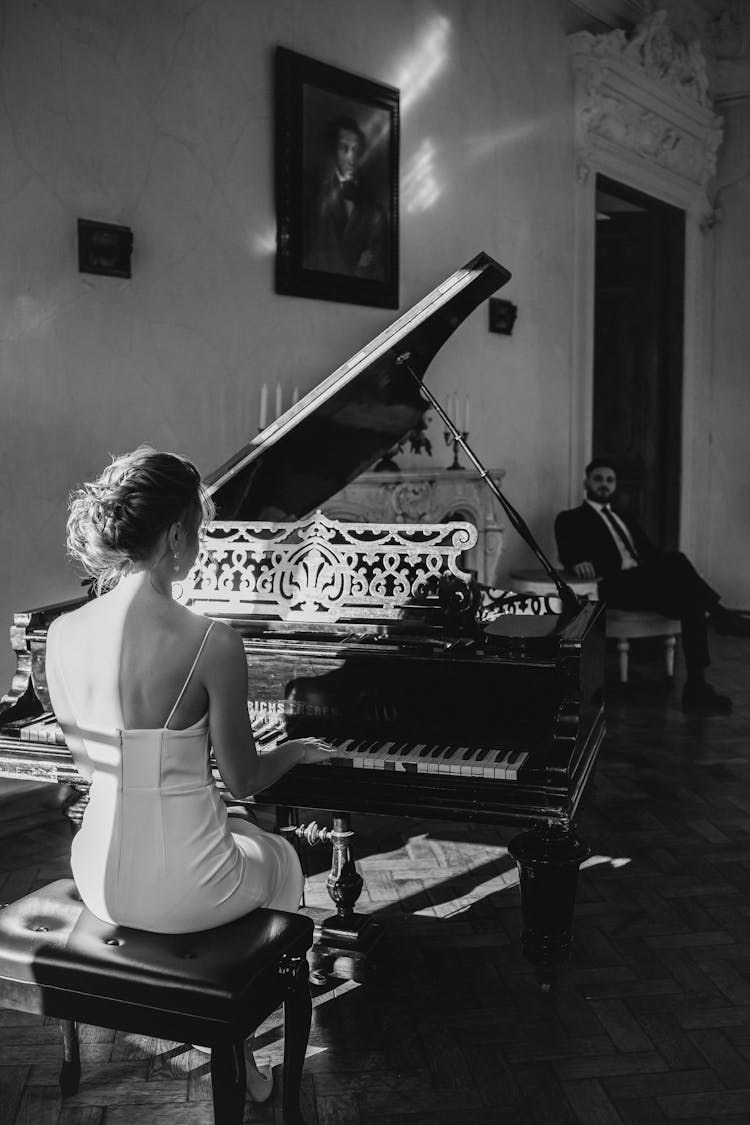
(126, 659)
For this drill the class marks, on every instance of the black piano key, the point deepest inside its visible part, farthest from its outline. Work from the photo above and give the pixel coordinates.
(343, 745)
(263, 738)
(468, 753)
(449, 753)
(482, 753)
(427, 750)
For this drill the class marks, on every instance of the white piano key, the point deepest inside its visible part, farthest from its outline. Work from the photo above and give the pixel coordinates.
(514, 763)
(426, 763)
(479, 762)
(497, 762)
(465, 756)
(413, 754)
(447, 764)
(493, 764)
(410, 759)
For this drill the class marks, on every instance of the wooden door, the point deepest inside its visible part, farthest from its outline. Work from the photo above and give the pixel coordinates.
(638, 334)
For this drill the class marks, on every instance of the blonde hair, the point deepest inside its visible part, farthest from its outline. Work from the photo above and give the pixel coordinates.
(117, 519)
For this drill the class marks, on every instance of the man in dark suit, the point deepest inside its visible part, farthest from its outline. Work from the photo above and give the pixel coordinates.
(593, 540)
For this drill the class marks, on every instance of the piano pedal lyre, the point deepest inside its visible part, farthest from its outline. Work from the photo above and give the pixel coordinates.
(344, 942)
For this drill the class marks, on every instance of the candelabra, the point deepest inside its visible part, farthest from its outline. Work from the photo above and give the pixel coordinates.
(452, 439)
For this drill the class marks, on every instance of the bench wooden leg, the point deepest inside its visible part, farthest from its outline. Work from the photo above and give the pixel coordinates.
(623, 648)
(297, 1016)
(70, 1073)
(670, 644)
(228, 1083)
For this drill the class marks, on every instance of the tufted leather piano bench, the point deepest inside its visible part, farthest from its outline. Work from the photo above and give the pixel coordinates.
(213, 987)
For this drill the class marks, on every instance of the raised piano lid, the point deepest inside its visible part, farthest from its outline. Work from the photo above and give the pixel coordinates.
(353, 417)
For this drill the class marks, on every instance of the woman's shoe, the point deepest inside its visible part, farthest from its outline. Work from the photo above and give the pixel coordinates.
(259, 1079)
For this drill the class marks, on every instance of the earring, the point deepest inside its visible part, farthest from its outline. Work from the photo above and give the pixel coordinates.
(175, 563)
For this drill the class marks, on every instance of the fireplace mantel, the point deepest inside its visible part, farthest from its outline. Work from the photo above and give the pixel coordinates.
(418, 495)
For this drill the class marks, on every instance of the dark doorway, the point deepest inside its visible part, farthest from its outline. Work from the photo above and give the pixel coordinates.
(638, 334)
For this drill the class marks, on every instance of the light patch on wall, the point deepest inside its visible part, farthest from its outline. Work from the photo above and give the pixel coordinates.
(417, 69)
(28, 317)
(263, 242)
(419, 185)
(481, 146)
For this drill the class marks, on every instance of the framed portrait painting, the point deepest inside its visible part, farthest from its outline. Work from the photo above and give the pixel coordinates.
(336, 168)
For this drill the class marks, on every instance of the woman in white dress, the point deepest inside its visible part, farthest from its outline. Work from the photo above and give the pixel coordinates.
(142, 687)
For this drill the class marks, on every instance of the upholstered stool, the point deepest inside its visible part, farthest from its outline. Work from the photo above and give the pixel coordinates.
(627, 624)
(539, 582)
(622, 624)
(213, 987)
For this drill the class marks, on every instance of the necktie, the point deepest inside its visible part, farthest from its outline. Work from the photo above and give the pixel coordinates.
(620, 533)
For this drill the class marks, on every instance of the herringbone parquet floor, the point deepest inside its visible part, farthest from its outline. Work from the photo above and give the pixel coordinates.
(650, 1023)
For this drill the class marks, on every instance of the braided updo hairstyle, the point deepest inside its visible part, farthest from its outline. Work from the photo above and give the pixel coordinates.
(117, 520)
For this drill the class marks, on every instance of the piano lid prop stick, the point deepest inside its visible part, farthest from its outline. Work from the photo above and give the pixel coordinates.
(567, 597)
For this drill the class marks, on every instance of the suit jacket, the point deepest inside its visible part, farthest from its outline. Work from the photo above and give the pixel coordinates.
(583, 536)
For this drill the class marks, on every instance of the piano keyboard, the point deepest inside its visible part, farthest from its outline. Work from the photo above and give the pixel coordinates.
(43, 729)
(404, 757)
(425, 757)
(358, 753)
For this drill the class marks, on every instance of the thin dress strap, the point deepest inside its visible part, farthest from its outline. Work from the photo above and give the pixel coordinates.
(189, 675)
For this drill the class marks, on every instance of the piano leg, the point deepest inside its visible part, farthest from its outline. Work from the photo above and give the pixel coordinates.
(548, 863)
(346, 939)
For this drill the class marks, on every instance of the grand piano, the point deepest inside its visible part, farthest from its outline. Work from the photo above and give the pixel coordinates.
(444, 700)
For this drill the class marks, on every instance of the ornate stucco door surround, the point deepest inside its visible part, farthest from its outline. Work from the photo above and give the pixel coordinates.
(643, 117)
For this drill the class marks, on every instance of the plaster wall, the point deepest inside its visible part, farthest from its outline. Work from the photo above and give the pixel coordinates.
(728, 486)
(159, 116)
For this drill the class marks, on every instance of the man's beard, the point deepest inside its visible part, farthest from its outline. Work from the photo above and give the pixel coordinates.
(605, 497)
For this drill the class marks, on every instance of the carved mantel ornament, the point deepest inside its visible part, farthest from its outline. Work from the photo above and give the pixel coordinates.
(643, 96)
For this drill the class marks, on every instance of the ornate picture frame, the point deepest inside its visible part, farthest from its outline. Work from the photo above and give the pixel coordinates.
(336, 183)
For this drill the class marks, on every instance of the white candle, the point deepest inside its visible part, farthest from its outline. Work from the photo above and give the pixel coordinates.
(278, 400)
(295, 396)
(263, 416)
(466, 414)
(452, 407)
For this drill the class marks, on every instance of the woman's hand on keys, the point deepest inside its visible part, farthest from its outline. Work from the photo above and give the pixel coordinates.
(313, 751)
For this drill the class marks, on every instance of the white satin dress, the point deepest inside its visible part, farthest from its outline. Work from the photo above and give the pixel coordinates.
(155, 850)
